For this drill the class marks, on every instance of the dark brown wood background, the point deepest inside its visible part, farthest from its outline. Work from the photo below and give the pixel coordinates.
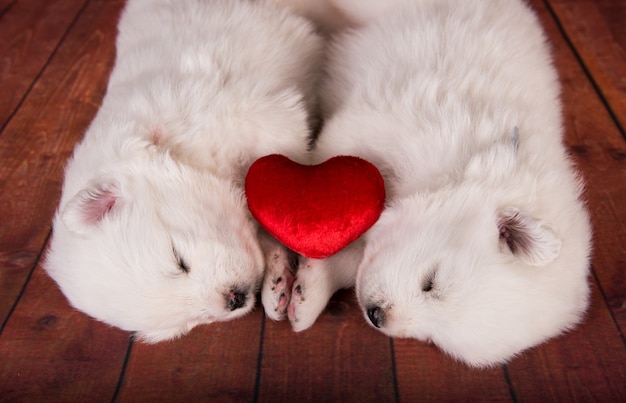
(55, 56)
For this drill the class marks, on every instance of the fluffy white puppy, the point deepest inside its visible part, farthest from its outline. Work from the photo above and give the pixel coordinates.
(153, 234)
(484, 246)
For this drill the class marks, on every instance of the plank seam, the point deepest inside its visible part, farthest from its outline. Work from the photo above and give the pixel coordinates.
(393, 370)
(120, 380)
(9, 118)
(588, 75)
(43, 67)
(607, 305)
(619, 127)
(257, 380)
(507, 378)
(23, 289)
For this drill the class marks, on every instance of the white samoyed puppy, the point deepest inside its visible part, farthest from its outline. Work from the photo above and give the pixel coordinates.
(484, 246)
(153, 233)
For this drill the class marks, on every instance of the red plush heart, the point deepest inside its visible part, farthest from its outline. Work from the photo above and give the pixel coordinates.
(315, 210)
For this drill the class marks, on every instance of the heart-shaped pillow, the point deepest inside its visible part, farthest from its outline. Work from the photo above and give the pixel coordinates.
(315, 210)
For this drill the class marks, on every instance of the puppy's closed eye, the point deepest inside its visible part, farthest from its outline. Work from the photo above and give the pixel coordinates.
(182, 264)
(429, 282)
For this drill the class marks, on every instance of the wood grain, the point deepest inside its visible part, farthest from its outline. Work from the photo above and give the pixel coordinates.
(5, 6)
(39, 138)
(427, 374)
(216, 362)
(339, 359)
(597, 30)
(29, 33)
(51, 352)
(599, 149)
(573, 367)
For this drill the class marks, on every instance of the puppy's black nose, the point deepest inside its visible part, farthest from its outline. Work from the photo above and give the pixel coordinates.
(235, 300)
(376, 316)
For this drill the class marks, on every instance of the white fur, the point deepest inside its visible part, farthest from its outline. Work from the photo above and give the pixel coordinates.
(328, 15)
(483, 248)
(200, 89)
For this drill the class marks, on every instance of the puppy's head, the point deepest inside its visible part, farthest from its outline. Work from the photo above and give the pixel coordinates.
(478, 276)
(156, 247)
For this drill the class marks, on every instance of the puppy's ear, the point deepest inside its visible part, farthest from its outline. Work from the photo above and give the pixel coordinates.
(89, 206)
(529, 239)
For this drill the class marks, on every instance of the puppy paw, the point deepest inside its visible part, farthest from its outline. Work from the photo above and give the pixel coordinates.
(278, 281)
(316, 282)
(276, 294)
(310, 294)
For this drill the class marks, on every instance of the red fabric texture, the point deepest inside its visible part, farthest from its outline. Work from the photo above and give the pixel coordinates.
(315, 210)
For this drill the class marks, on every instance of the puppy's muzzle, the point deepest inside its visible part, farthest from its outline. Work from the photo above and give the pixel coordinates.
(235, 299)
(376, 315)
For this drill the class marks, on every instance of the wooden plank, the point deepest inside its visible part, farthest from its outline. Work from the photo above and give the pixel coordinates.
(29, 33)
(40, 137)
(427, 374)
(51, 352)
(600, 153)
(589, 363)
(597, 30)
(600, 149)
(5, 6)
(340, 358)
(216, 362)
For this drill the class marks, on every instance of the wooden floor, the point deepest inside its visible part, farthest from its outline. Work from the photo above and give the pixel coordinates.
(55, 56)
